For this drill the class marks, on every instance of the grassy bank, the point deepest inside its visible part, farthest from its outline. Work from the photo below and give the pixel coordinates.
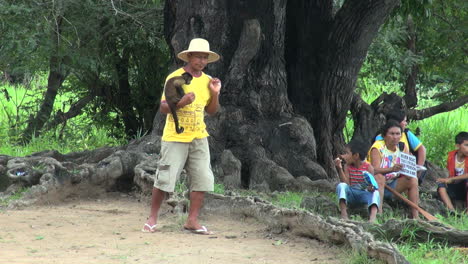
(18, 102)
(416, 252)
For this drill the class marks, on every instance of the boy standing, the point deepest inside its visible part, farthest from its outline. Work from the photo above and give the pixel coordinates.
(188, 150)
(353, 188)
(455, 187)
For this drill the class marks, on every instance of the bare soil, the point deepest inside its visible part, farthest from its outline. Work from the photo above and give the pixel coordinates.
(108, 230)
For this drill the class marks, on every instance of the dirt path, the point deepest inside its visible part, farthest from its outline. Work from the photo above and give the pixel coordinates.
(108, 231)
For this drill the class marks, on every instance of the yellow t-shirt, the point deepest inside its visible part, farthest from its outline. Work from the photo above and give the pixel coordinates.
(191, 116)
(388, 157)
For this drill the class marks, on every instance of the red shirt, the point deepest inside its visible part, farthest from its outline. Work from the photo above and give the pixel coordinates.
(452, 155)
(356, 175)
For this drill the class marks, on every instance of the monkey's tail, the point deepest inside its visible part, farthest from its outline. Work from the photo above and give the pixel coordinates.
(178, 128)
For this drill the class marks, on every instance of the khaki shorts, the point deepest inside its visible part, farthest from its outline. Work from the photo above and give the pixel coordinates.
(194, 157)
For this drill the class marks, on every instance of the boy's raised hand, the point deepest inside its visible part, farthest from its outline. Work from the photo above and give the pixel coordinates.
(338, 163)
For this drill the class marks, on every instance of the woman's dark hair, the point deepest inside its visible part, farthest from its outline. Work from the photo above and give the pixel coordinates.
(398, 115)
(390, 123)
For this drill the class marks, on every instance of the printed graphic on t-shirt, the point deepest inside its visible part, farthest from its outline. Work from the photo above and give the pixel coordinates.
(190, 118)
(389, 159)
(459, 168)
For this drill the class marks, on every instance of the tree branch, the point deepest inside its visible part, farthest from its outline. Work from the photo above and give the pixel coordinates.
(75, 109)
(414, 114)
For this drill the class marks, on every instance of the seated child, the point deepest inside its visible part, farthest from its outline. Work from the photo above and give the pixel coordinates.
(353, 188)
(455, 187)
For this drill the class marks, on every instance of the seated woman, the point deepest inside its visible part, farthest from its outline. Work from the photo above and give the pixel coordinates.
(384, 156)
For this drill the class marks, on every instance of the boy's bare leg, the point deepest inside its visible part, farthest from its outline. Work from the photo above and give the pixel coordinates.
(196, 202)
(157, 198)
(445, 198)
(343, 209)
(372, 213)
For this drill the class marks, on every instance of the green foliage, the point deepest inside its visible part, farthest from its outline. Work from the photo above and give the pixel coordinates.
(219, 188)
(440, 32)
(288, 199)
(430, 252)
(113, 50)
(355, 257)
(79, 134)
(438, 133)
(181, 187)
(459, 220)
(370, 86)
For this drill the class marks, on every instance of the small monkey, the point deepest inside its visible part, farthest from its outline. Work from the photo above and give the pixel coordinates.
(174, 92)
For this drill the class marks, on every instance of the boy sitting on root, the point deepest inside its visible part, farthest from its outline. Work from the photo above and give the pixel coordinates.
(354, 189)
(455, 187)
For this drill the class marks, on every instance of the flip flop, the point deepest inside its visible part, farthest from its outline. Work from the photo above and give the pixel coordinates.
(201, 231)
(151, 229)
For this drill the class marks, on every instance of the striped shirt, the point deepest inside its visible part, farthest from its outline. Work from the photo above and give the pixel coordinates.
(356, 175)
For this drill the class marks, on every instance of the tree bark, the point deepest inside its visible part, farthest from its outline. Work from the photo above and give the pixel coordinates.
(368, 119)
(325, 53)
(415, 114)
(75, 109)
(124, 94)
(411, 97)
(280, 59)
(257, 122)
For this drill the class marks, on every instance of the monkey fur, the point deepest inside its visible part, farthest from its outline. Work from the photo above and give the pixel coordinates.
(174, 92)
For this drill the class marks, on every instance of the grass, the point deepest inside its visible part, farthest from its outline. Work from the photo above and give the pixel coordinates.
(17, 102)
(458, 221)
(288, 200)
(219, 188)
(415, 252)
(16, 196)
(355, 257)
(431, 253)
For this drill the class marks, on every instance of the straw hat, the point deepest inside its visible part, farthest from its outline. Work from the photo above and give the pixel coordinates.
(198, 45)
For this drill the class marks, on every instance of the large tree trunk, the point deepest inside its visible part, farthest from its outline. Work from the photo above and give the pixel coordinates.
(124, 94)
(256, 123)
(274, 52)
(325, 52)
(411, 97)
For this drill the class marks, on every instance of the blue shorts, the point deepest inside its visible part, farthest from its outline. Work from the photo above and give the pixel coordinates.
(354, 196)
(387, 193)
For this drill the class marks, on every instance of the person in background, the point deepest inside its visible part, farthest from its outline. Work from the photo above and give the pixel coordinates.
(455, 187)
(384, 156)
(415, 146)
